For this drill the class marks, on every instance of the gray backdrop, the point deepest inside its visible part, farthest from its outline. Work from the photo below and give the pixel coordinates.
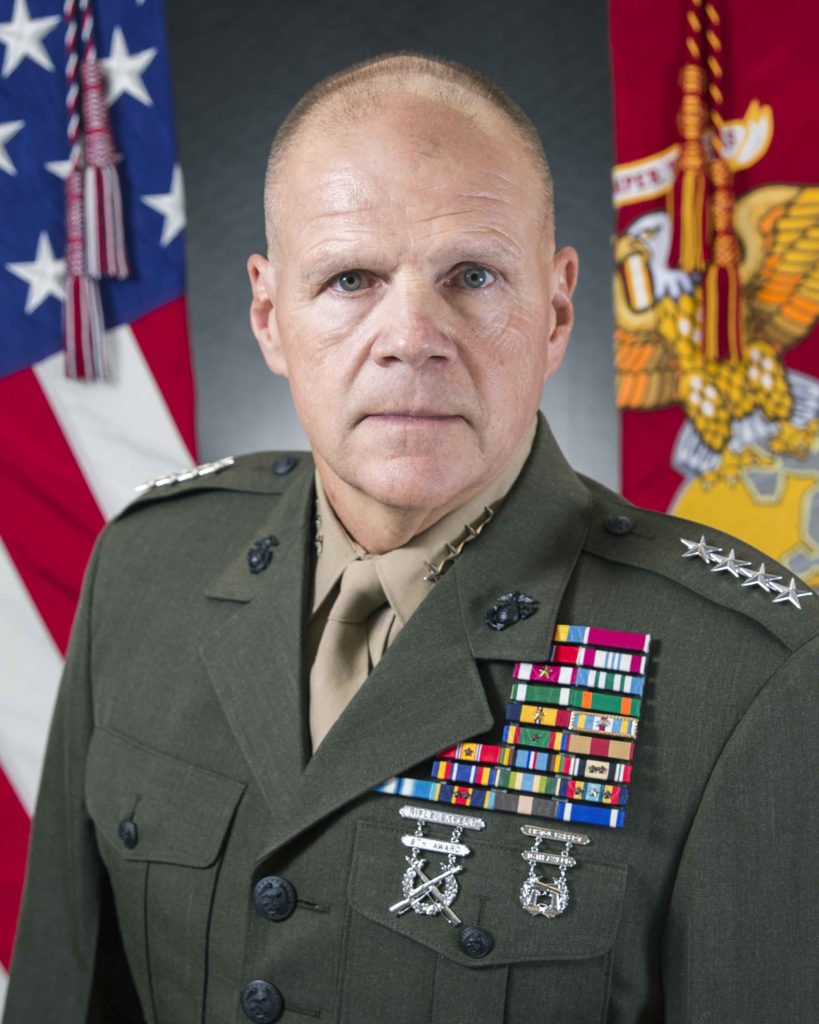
(237, 70)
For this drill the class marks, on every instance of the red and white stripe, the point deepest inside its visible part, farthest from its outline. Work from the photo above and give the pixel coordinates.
(71, 454)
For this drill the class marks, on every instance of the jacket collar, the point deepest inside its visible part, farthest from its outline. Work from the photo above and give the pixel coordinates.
(426, 693)
(531, 547)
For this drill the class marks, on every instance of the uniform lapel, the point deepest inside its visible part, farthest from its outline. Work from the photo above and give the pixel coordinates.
(255, 659)
(426, 692)
(542, 527)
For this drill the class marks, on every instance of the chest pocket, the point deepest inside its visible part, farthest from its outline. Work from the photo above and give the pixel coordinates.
(411, 967)
(161, 826)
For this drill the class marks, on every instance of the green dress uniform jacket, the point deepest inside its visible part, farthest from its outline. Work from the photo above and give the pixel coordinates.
(177, 777)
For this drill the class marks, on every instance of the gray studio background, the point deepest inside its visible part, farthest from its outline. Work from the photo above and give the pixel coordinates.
(238, 68)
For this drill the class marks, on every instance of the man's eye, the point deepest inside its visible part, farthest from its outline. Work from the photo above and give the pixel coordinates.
(475, 276)
(350, 280)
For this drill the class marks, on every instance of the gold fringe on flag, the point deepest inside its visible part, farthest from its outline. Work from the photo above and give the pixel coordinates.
(689, 212)
(722, 295)
(689, 200)
(703, 199)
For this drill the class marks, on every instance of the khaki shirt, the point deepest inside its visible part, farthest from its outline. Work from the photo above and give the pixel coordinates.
(400, 571)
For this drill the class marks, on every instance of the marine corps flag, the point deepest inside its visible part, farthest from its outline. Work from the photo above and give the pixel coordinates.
(716, 282)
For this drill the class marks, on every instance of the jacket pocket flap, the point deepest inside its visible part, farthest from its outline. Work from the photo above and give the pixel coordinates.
(179, 812)
(489, 897)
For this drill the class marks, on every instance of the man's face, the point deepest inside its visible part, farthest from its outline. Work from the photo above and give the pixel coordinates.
(413, 301)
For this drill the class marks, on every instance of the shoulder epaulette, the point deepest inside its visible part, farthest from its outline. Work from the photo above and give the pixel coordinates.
(203, 469)
(718, 566)
(254, 472)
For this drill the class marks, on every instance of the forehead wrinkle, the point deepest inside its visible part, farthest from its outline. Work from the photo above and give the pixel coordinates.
(344, 229)
(441, 216)
(489, 196)
(493, 235)
(339, 217)
(502, 239)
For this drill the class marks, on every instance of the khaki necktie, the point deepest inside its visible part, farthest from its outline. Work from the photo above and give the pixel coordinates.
(342, 660)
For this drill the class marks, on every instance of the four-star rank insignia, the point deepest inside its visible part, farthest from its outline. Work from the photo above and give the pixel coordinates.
(741, 569)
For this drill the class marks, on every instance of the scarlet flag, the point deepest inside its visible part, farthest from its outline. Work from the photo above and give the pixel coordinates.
(716, 284)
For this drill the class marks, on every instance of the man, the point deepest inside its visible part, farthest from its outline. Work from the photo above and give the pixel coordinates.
(275, 787)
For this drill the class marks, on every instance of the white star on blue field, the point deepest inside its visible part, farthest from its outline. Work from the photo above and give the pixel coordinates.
(34, 154)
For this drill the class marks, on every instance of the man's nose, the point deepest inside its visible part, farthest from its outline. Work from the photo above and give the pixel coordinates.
(414, 328)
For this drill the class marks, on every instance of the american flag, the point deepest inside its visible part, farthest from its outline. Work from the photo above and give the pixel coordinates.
(72, 451)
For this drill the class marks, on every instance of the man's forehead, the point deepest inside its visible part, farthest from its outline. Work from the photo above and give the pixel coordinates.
(352, 193)
(420, 155)
(356, 198)
(457, 226)
(406, 148)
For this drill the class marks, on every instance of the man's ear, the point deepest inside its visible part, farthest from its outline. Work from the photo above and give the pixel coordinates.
(565, 266)
(262, 321)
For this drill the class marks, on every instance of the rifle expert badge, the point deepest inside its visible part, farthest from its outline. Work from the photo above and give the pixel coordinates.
(422, 894)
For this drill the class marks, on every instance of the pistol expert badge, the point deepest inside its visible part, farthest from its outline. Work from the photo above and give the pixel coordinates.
(435, 895)
(548, 899)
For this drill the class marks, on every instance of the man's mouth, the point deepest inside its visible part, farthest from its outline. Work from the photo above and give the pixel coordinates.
(413, 416)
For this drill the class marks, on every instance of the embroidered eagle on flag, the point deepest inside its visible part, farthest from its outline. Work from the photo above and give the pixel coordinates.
(660, 358)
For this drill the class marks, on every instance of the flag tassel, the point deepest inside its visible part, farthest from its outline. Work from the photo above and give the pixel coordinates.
(83, 323)
(104, 223)
(690, 245)
(723, 292)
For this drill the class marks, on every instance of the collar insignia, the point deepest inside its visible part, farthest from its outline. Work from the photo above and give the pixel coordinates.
(509, 609)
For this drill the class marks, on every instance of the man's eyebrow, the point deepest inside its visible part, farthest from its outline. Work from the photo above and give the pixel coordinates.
(330, 259)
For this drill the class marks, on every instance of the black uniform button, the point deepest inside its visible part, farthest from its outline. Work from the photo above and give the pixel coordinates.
(127, 831)
(283, 464)
(619, 524)
(274, 897)
(262, 1002)
(476, 942)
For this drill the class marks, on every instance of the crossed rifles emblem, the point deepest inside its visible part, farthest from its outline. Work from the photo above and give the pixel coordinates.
(422, 894)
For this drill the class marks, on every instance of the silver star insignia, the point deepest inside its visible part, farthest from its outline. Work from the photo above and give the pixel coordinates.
(790, 593)
(698, 549)
(760, 578)
(729, 563)
(433, 575)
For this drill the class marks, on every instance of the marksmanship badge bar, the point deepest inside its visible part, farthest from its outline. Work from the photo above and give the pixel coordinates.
(548, 899)
(422, 894)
